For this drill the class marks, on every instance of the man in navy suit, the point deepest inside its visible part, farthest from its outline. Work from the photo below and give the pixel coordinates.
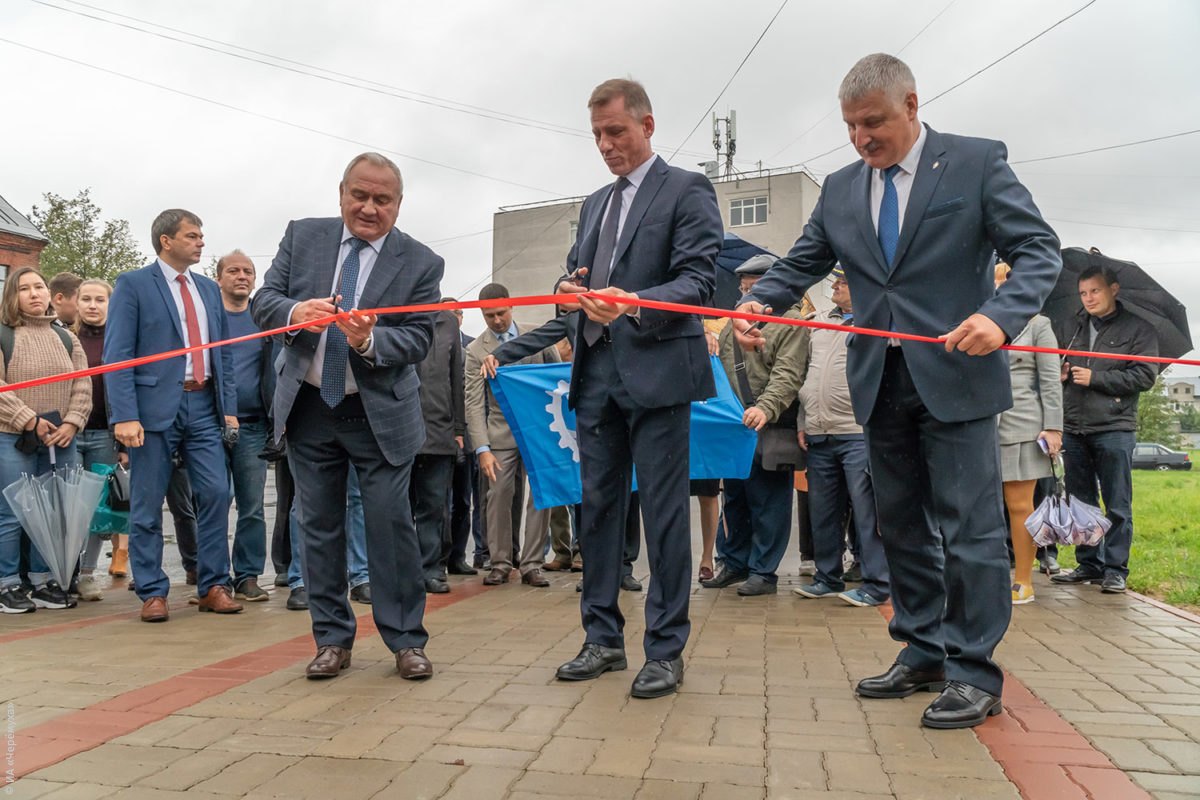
(654, 234)
(915, 224)
(180, 404)
(347, 395)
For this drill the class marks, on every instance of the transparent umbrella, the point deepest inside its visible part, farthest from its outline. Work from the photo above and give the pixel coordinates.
(55, 509)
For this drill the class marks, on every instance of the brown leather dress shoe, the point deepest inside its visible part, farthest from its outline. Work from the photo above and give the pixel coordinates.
(329, 662)
(534, 577)
(556, 566)
(218, 601)
(155, 610)
(413, 664)
(496, 577)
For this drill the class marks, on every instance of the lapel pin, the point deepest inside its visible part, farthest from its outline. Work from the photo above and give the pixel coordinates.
(935, 164)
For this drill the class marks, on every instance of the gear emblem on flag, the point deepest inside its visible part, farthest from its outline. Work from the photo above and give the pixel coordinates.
(558, 420)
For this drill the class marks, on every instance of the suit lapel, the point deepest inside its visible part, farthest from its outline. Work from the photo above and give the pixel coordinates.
(160, 283)
(654, 180)
(387, 268)
(924, 184)
(860, 191)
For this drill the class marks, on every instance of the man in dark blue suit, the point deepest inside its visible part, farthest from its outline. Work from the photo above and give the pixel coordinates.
(915, 224)
(654, 234)
(347, 396)
(180, 404)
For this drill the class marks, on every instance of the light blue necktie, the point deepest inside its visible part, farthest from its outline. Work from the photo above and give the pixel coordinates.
(337, 349)
(889, 216)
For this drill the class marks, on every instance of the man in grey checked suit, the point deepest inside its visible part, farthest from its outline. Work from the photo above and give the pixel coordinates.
(347, 395)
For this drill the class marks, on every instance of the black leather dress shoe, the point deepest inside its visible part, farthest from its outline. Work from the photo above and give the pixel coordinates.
(436, 586)
(756, 585)
(1113, 584)
(593, 661)
(461, 567)
(298, 599)
(658, 679)
(901, 681)
(361, 593)
(960, 705)
(1076, 576)
(630, 583)
(726, 577)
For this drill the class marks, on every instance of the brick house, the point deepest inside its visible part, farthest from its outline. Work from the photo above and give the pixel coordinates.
(21, 244)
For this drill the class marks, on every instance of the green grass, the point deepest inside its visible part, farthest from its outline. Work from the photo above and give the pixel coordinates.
(1165, 560)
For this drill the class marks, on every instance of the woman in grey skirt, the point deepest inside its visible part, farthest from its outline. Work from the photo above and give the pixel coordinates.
(1036, 414)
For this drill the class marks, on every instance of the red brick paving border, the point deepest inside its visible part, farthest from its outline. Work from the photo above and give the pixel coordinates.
(40, 746)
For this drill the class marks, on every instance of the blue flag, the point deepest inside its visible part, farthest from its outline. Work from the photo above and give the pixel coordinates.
(533, 398)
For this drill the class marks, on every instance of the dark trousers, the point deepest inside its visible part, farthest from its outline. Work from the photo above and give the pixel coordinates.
(281, 540)
(615, 434)
(758, 518)
(839, 480)
(1103, 461)
(196, 435)
(464, 509)
(322, 445)
(941, 516)
(183, 513)
(804, 538)
(428, 493)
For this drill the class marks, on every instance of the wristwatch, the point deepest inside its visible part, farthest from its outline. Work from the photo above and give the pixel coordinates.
(366, 345)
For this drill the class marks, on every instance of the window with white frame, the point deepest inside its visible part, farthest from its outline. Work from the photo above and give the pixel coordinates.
(747, 211)
(574, 232)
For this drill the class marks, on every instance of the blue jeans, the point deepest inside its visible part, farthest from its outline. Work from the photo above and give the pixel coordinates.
(356, 539)
(95, 446)
(839, 478)
(12, 464)
(1103, 461)
(248, 475)
(758, 516)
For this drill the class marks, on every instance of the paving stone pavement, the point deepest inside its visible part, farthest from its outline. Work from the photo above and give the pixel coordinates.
(1103, 701)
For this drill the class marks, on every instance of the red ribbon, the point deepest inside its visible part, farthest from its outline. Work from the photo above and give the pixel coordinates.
(554, 299)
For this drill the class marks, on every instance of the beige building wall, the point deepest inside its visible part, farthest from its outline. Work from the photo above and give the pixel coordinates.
(530, 243)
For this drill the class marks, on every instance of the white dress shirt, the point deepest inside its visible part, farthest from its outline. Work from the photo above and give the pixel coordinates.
(172, 277)
(903, 180)
(366, 262)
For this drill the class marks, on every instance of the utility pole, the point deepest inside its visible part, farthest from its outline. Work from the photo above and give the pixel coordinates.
(729, 148)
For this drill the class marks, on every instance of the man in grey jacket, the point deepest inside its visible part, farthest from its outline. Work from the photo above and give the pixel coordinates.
(839, 478)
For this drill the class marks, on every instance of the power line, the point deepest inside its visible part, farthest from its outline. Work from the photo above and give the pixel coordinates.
(1123, 227)
(828, 113)
(1108, 147)
(320, 73)
(977, 72)
(721, 93)
(278, 120)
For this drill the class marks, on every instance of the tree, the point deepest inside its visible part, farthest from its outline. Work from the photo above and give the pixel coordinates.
(81, 242)
(1156, 422)
(1189, 419)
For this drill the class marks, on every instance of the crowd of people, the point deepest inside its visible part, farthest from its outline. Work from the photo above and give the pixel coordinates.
(392, 455)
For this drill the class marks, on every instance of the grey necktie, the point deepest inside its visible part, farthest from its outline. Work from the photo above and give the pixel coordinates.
(602, 263)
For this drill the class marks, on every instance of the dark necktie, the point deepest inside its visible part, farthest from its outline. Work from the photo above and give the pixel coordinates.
(337, 349)
(602, 263)
(889, 215)
(193, 328)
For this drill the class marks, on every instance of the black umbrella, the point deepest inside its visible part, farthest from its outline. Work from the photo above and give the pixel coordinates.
(1140, 293)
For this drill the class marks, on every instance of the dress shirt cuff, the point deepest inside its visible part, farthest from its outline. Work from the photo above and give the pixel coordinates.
(483, 448)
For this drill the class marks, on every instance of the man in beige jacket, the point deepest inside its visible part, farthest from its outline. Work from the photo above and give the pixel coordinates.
(499, 459)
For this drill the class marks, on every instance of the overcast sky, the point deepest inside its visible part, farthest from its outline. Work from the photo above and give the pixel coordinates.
(249, 146)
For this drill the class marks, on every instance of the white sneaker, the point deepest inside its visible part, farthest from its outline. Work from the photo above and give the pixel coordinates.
(808, 567)
(89, 588)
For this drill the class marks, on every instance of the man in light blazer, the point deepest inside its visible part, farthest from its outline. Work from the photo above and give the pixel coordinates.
(655, 234)
(347, 395)
(180, 404)
(499, 459)
(915, 223)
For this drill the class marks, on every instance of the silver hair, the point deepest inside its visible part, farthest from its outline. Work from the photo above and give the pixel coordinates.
(221, 261)
(167, 224)
(379, 160)
(878, 72)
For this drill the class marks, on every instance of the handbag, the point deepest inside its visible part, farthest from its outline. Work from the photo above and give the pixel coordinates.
(118, 489)
(778, 449)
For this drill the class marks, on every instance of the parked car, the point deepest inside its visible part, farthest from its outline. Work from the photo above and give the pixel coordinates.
(1148, 455)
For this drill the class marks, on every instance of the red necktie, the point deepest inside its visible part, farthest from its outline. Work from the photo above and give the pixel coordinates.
(193, 328)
